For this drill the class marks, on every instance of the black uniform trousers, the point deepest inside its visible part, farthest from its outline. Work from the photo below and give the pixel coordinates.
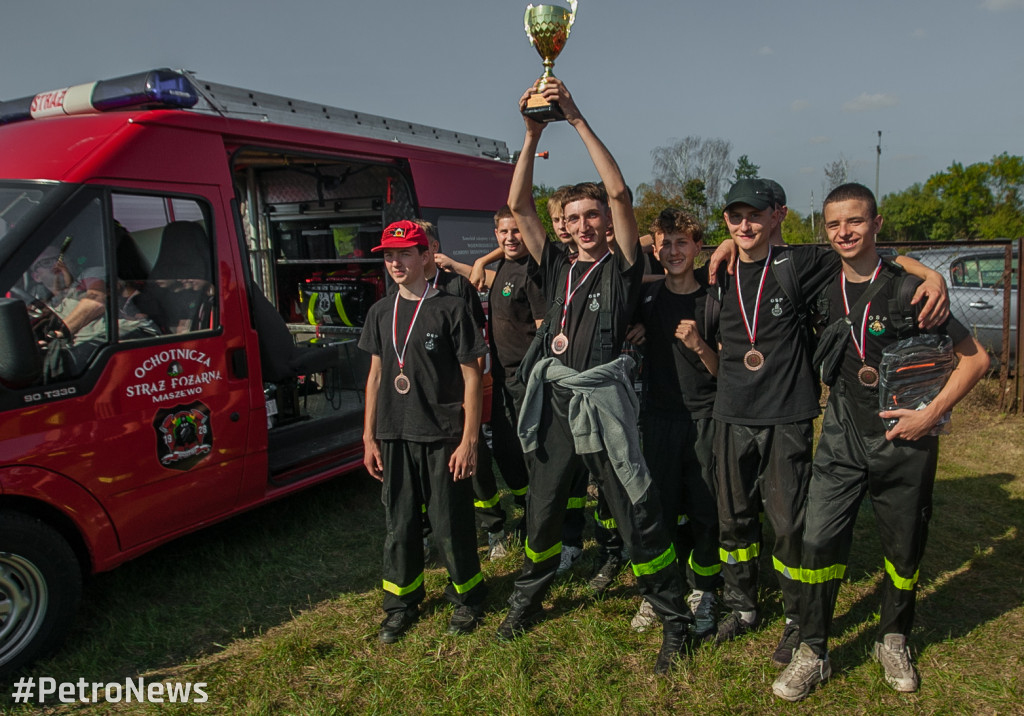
(680, 455)
(854, 459)
(416, 476)
(506, 398)
(649, 542)
(755, 465)
(486, 499)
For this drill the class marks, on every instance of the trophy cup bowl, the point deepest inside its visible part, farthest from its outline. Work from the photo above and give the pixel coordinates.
(548, 28)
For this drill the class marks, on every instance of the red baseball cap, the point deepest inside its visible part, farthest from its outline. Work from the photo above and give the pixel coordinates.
(402, 235)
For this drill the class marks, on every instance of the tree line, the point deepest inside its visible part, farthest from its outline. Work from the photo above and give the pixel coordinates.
(979, 201)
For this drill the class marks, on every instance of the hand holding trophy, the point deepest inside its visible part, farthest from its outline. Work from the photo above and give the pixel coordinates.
(548, 28)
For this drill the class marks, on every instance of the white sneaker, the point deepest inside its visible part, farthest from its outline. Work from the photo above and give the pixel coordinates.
(569, 555)
(645, 617)
(497, 545)
(702, 604)
(894, 656)
(805, 671)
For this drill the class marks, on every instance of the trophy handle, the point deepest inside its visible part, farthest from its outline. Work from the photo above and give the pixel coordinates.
(572, 17)
(526, 24)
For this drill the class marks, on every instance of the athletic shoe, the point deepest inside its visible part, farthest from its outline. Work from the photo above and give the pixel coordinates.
(497, 545)
(397, 623)
(464, 620)
(733, 626)
(702, 604)
(790, 640)
(518, 621)
(645, 617)
(894, 656)
(606, 574)
(805, 671)
(569, 555)
(674, 642)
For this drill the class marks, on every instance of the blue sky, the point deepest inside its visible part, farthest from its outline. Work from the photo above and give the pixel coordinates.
(794, 84)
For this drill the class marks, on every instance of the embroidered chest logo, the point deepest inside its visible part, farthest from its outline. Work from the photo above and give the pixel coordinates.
(594, 305)
(507, 291)
(876, 325)
(431, 343)
(777, 306)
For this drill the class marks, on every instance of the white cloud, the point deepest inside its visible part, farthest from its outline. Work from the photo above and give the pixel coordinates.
(1000, 5)
(800, 105)
(820, 140)
(867, 102)
(766, 51)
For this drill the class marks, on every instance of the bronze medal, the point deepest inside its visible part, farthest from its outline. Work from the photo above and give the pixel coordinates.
(559, 344)
(402, 384)
(753, 359)
(867, 376)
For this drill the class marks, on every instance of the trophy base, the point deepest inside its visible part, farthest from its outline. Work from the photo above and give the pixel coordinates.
(540, 110)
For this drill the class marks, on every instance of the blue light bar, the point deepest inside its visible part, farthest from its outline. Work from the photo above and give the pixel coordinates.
(156, 88)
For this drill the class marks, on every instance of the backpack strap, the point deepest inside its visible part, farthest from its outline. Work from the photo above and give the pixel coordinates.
(902, 314)
(603, 349)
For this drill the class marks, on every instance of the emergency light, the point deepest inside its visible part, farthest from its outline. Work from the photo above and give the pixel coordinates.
(156, 88)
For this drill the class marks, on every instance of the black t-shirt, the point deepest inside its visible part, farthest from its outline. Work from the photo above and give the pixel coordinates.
(879, 331)
(676, 381)
(442, 339)
(582, 321)
(784, 390)
(516, 303)
(455, 285)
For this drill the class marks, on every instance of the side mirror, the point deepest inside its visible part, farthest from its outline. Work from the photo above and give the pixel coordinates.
(21, 361)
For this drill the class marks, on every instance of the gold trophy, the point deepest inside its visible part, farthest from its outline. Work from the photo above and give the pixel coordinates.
(548, 28)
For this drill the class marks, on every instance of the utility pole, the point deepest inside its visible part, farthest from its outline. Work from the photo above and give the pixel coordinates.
(813, 234)
(878, 162)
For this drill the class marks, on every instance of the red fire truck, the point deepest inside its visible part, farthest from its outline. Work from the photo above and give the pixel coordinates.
(184, 269)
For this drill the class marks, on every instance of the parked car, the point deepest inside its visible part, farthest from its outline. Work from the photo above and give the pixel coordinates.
(976, 289)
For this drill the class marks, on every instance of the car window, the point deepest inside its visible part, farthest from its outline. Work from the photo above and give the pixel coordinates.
(964, 272)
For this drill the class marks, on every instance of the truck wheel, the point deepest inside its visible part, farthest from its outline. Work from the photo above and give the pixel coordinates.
(40, 587)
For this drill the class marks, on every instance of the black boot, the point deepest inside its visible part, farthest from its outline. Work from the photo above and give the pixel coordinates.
(675, 641)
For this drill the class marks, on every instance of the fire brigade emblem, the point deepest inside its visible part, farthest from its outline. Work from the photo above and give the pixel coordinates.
(594, 305)
(175, 369)
(876, 328)
(777, 310)
(507, 291)
(184, 435)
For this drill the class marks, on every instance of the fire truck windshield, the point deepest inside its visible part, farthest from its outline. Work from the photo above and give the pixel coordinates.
(19, 202)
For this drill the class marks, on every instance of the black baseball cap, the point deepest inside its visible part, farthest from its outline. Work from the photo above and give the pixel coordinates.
(752, 192)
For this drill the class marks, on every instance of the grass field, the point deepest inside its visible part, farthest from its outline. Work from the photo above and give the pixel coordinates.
(278, 611)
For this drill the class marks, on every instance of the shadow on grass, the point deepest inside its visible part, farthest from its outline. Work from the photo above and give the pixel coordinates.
(235, 579)
(972, 572)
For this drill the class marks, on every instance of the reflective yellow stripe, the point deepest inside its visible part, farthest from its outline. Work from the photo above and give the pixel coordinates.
(463, 588)
(820, 576)
(608, 524)
(704, 571)
(899, 582)
(576, 503)
(537, 557)
(519, 493)
(423, 509)
(657, 564)
(786, 571)
(341, 309)
(739, 555)
(402, 591)
(310, 316)
(484, 504)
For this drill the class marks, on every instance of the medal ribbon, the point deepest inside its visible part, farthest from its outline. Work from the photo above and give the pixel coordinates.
(861, 347)
(568, 282)
(752, 327)
(394, 328)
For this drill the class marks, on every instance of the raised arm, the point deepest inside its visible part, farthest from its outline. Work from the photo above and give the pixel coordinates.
(520, 193)
(627, 236)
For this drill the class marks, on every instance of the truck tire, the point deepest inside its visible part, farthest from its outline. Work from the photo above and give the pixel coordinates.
(40, 588)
